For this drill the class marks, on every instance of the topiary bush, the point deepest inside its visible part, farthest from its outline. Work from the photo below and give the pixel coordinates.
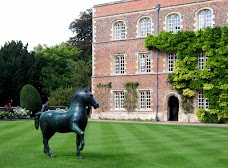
(30, 99)
(206, 117)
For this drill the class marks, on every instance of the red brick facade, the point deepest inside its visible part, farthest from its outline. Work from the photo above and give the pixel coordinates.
(105, 49)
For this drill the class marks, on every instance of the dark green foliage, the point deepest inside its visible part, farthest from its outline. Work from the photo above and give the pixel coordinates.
(82, 28)
(213, 80)
(30, 98)
(81, 74)
(131, 97)
(18, 67)
(62, 68)
(61, 96)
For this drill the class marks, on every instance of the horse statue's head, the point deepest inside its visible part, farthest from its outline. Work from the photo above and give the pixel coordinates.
(85, 96)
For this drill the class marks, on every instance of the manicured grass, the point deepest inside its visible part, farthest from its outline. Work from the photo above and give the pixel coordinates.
(116, 145)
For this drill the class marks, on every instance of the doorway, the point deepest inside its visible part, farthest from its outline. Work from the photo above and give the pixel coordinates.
(173, 108)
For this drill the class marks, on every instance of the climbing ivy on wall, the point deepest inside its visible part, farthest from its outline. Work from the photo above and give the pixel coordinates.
(102, 94)
(131, 97)
(187, 77)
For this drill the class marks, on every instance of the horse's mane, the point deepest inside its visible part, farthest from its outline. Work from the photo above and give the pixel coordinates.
(77, 93)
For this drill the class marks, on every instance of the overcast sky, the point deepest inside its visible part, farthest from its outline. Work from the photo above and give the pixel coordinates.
(40, 21)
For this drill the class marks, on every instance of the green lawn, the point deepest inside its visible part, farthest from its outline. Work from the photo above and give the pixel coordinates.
(110, 145)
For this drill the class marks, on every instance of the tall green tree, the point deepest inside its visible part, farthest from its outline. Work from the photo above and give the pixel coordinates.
(82, 28)
(18, 67)
(62, 67)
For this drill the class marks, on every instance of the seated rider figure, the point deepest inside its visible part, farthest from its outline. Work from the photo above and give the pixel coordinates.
(45, 107)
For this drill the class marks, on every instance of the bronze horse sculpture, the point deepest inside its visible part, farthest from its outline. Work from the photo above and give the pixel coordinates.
(74, 120)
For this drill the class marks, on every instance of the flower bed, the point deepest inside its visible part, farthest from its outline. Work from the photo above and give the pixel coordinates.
(22, 113)
(14, 113)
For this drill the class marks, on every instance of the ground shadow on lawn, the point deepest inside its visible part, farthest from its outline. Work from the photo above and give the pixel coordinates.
(91, 155)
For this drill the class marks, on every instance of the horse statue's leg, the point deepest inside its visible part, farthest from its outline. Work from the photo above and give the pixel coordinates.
(47, 149)
(80, 139)
(79, 146)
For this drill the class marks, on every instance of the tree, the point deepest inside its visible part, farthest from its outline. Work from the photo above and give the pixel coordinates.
(82, 74)
(82, 27)
(18, 67)
(59, 62)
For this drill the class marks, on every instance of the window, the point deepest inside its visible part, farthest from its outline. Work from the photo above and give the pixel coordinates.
(145, 63)
(173, 23)
(119, 30)
(202, 60)
(119, 64)
(145, 98)
(145, 27)
(204, 18)
(119, 100)
(202, 102)
(171, 61)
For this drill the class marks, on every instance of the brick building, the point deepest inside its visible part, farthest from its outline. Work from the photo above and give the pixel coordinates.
(119, 55)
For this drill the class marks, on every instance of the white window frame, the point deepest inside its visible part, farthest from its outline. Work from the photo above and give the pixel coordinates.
(172, 57)
(205, 18)
(174, 22)
(144, 99)
(145, 27)
(202, 59)
(202, 101)
(119, 28)
(118, 99)
(119, 64)
(144, 63)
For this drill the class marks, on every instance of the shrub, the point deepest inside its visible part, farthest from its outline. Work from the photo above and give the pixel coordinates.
(206, 117)
(61, 96)
(6, 115)
(30, 99)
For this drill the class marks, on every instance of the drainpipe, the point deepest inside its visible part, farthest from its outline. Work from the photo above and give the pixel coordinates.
(157, 57)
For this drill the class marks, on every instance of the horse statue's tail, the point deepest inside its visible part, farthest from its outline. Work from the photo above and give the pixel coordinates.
(37, 119)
